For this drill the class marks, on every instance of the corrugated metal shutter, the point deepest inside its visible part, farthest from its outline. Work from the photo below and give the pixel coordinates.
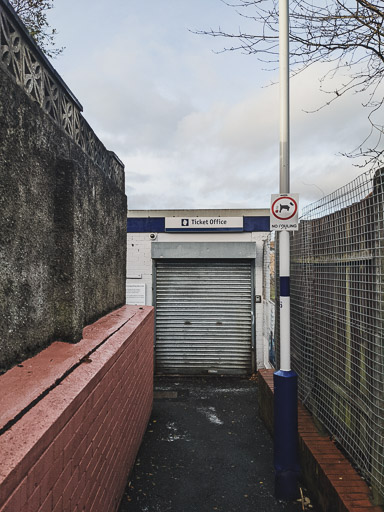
(203, 317)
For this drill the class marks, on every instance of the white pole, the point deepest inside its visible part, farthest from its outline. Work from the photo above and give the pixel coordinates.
(285, 304)
(284, 95)
(285, 341)
(285, 381)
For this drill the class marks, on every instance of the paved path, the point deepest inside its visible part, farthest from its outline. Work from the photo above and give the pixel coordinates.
(205, 449)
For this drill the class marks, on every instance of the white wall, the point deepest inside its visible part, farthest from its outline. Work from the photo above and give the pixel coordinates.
(139, 262)
(205, 237)
(259, 308)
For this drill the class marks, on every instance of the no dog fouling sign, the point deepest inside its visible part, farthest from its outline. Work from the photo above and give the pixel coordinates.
(284, 215)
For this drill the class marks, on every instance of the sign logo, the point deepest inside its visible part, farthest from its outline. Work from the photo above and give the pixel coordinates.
(185, 223)
(284, 208)
(284, 212)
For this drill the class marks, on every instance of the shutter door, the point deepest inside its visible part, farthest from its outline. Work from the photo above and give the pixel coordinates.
(203, 317)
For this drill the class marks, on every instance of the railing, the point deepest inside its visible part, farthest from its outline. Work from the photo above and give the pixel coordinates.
(337, 295)
(27, 64)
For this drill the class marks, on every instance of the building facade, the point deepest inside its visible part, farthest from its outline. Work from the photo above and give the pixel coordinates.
(207, 274)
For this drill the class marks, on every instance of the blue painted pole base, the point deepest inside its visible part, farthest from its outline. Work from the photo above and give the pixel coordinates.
(286, 456)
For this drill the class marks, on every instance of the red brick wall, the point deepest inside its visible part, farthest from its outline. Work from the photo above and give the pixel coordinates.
(333, 483)
(73, 449)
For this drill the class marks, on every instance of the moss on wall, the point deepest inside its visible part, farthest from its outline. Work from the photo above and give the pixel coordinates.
(62, 243)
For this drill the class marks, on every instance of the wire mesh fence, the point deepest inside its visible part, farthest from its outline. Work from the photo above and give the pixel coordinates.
(337, 315)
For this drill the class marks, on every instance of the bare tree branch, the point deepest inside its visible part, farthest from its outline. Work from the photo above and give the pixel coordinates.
(347, 34)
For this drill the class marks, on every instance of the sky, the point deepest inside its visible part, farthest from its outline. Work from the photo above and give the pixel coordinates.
(194, 126)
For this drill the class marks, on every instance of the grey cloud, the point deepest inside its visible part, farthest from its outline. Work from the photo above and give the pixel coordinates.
(195, 129)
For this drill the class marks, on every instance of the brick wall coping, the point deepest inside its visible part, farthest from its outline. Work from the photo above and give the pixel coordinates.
(61, 376)
(24, 384)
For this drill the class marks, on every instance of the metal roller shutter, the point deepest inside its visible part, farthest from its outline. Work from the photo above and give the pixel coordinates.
(203, 317)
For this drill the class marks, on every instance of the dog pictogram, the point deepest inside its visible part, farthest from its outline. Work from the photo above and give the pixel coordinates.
(284, 207)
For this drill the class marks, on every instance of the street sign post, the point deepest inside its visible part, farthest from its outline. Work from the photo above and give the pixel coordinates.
(286, 458)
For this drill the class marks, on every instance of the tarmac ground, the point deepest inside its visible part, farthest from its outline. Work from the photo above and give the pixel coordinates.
(205, 449)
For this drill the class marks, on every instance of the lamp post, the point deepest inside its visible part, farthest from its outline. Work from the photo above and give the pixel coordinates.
(285, 380)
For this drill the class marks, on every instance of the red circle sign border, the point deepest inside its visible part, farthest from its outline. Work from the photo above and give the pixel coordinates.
(278, 199)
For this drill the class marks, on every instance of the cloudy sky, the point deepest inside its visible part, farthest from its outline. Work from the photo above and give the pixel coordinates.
(196, 128)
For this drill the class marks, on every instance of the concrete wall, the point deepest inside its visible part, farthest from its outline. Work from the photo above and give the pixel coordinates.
(82, 411)
(62, 244)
